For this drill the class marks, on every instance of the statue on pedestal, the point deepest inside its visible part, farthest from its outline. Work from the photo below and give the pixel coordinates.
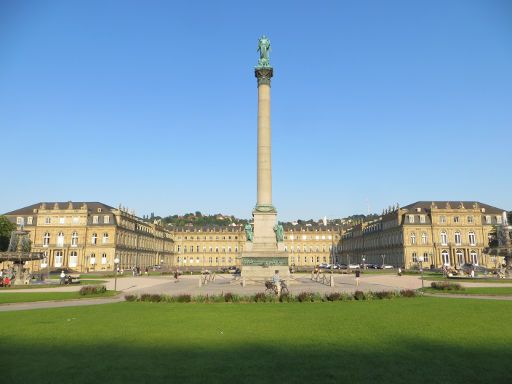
(279, 230)
(248, 232)
(263, 49)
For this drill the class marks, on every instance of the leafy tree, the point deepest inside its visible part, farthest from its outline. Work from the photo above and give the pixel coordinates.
(6, 227)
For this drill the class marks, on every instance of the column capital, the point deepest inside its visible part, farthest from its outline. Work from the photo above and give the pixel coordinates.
(263, 74)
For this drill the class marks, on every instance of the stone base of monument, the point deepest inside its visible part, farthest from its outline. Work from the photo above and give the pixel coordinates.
(258, 267)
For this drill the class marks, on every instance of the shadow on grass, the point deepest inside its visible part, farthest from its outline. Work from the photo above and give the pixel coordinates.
(403, 361)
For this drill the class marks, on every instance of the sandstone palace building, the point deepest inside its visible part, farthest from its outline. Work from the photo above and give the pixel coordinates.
(88, 236)
(440, 233)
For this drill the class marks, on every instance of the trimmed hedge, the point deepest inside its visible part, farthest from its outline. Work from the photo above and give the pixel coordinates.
(446, 286)
(260, 297)
(92, 290)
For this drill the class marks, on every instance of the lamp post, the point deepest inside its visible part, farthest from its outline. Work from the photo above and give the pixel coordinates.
(420, 260)
(116, 263)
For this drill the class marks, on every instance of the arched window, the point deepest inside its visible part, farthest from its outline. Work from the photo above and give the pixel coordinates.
(446, 257)
(60, 239)
(94, 239)
(46, 239)
(472, 238)
(413, 238)
(104, 259)
(73, 259)
(444, 238)
(105, 238)
(424, 238)
(58, 259)
(457, 238)
(74, 239)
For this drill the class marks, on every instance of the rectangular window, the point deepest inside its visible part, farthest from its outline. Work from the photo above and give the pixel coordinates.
(62, 220)
(470, 219)
(29, 220)
(488, 219)
(498, 219)
(106, 219)
(422, 219)
(411, 218)
(442, 219)
(456, 219)
(75, 220)
(47, 220)
(95, 219)
(20, 221)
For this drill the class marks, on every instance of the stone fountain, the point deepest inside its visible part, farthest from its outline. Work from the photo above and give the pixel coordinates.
(19, 252)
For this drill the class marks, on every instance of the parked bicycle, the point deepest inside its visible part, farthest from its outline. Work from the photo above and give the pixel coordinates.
(271, 288)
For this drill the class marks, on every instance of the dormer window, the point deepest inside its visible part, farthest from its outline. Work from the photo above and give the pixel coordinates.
(411, 219)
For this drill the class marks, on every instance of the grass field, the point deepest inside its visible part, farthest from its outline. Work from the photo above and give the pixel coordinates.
(45, 296)
(467, 279)
(36, 286)
(422, 340)
(491, 291)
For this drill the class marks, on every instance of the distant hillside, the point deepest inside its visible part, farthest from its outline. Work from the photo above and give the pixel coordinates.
(197, 219)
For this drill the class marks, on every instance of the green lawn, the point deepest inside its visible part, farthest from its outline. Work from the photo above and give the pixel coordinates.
(468, 279)
(45, 296)
(35, 286)
(422, 340)
(491, 291)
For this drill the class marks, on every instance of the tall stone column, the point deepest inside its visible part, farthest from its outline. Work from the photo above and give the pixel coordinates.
(264, 202)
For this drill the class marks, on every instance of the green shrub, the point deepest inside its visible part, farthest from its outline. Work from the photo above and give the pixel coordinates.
(384, 295)
(318, 297)
(346, 297)
(359, 295)
(145, 297)
(130, 297)
(154, 298)
(408, 293)
(333, 296)
(446, 286)
(92, 290)
(201, 299)
(305, 297)
(286, 298)
(184, 298)
(231, 297)
(260, 297)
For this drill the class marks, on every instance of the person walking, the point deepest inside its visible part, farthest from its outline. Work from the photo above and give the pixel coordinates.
(358, 274)
(62, 278)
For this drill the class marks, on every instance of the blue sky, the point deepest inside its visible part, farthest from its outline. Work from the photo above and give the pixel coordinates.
(153, 104)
